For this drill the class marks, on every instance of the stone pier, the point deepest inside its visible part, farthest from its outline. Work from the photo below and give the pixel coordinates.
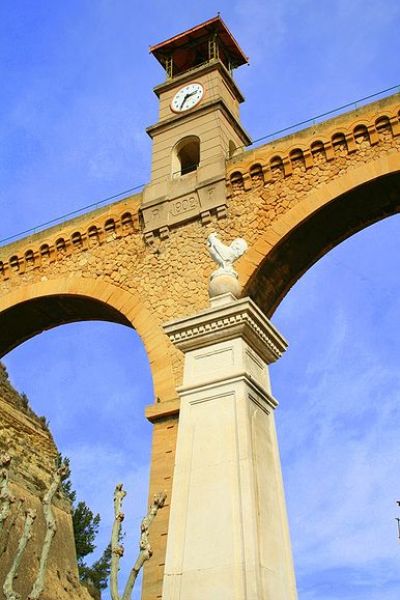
(228, 534)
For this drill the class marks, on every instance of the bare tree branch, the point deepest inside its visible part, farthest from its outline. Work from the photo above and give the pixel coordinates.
(117, 550)
(8, 590)
(144, 545)
(51, 528)
(10, 526)
(6, 498)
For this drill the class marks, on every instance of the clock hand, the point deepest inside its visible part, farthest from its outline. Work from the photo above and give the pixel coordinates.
(186, 97)
(184, 100)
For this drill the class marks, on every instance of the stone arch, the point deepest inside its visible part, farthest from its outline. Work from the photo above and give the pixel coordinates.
(361, 133)
(276, 166)
(318, 151)
(110, 225)
(44, 252)
(323, 219)
(236, 182)
(296, 157)
(76, 239)
(383, 125)
(15, 263)
(256, 174)
(34, 308)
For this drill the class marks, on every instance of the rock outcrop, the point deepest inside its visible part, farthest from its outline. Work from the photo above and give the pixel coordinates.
(26, 438)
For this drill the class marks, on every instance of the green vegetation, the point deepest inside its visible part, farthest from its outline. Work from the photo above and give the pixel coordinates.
(86, 527)
(85, 522)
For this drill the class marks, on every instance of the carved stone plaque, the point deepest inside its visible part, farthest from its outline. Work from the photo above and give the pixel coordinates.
(182, 206)
(174, 207)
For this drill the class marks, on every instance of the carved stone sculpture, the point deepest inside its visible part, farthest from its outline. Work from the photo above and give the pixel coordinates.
(225, 279)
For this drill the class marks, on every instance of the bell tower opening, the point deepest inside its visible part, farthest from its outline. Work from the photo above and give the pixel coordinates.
(186, 156)
(198, 125)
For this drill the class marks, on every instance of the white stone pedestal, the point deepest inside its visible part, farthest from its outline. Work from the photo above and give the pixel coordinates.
(228, 535)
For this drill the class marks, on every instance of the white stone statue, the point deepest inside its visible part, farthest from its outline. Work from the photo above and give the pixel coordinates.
(225, 279)
(224, 255)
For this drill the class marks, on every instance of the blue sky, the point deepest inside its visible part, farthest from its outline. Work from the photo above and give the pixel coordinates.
(76, 96)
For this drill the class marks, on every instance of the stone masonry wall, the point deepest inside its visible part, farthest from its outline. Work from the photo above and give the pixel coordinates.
(170, 276)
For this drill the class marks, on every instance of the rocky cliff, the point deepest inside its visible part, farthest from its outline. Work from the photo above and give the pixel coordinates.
(27, 439)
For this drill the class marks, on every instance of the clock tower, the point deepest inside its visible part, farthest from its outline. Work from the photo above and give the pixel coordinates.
(197, 130)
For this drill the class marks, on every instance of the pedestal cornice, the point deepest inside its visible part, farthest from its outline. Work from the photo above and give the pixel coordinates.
(261, 397)
(239, 318)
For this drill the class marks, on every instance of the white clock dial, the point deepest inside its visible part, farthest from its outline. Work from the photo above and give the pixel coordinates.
(187, 97)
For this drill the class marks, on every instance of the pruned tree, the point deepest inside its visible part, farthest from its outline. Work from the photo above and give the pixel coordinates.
(60, 473)
(6, 498)
(51, 528)
(8, 589)
(8, 530)
(117, 549)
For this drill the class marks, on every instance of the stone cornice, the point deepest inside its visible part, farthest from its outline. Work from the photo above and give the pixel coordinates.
(212, 65)
(72, 237)
(301, 147)
(162, 410)
(260, 396)
(241, 318)
(212, 105)
(243, 174)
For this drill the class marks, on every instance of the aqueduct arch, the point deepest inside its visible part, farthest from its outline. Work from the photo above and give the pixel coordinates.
(143, 261)
(323, 219)
(106, 264)
(27, 311)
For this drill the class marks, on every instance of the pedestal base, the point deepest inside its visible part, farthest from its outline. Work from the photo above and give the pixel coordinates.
(228, 536)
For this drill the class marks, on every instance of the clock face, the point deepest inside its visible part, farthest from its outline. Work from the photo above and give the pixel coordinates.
(187, 97)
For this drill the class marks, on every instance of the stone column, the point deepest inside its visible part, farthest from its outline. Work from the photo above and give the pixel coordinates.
(228, 534)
